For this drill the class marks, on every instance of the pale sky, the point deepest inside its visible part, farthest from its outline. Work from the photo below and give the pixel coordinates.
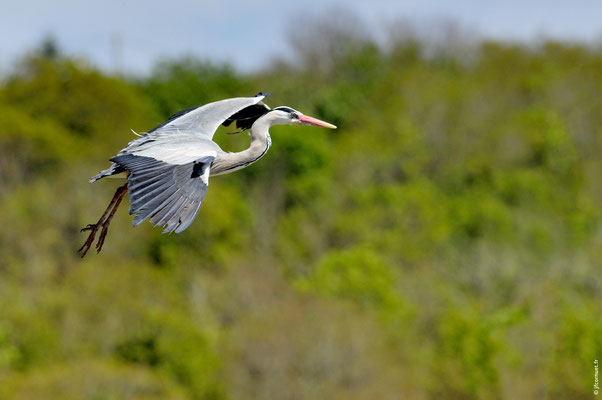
(248, 33)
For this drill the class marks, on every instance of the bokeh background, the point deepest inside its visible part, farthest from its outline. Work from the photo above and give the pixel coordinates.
(443, 243)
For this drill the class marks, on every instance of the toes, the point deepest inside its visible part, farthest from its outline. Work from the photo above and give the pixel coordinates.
(86, 246)
(90, 227)
(101, 238)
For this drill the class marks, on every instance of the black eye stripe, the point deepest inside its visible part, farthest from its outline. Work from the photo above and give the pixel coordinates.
(285, 109)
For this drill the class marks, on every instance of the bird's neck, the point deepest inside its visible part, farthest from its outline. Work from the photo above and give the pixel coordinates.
(260, 143)
(260, 135)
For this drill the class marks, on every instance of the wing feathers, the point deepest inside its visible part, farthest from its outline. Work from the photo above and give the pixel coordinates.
(205, 119)
(165, 182)
(170, 195)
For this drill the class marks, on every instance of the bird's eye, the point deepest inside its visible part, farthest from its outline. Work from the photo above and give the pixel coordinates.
(294, 116)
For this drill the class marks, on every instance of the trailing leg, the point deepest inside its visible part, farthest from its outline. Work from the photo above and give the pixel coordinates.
(103, 222)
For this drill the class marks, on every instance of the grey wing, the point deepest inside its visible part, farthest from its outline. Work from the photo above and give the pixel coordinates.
(205, 120)
(169, 194)
(168, 141)
(176, 149)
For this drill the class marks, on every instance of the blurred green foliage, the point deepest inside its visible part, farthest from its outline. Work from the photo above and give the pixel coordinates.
(443, 243)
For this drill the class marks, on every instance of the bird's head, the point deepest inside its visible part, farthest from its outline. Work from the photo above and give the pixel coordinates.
(288, 116)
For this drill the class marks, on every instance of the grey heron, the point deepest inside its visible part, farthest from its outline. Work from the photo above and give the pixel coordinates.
(168, 168)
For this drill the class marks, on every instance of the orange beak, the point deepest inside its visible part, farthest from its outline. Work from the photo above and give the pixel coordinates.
(315, 122)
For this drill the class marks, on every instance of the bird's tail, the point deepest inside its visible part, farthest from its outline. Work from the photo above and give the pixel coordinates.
(112, 170)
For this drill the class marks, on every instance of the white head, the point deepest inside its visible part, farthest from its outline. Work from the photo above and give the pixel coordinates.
(288, 116)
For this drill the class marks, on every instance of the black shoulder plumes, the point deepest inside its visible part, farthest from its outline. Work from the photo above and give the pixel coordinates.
(247, 116)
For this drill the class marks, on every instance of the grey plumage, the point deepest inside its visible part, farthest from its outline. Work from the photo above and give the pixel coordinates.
(169, 166)
(170, 195)
(112, 170)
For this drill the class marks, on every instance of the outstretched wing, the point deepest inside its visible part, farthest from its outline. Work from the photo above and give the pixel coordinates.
(204, 120)
(197, 123)
(168, 193)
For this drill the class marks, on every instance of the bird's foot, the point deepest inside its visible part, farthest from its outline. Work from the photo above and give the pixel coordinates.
(103, 222)
(103, 234)
(93, 228)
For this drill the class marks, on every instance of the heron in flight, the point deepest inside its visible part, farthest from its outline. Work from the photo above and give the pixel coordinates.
(168, 168)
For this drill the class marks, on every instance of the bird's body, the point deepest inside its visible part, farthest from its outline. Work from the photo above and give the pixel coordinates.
(169, 167)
